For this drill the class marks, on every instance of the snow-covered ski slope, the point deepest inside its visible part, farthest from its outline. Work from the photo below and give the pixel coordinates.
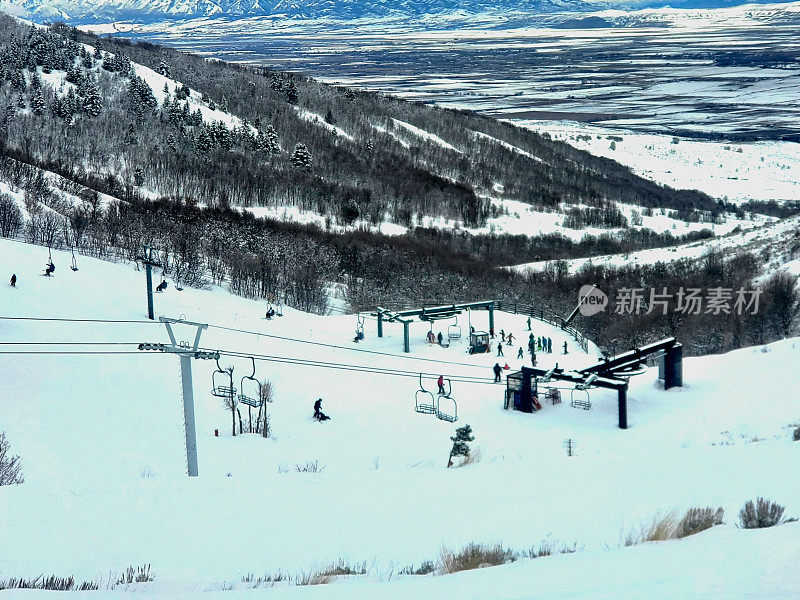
(101, 440)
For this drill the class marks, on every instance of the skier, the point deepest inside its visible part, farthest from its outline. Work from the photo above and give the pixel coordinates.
(529, 324)
(497, 370)
(539, 344)
(500, 349)
(502, 336)
(510, 339)
(440, 381)
(565, 346)
(161, 286)
(520, 353)
(533, 359)
(531, 345)
(51, 268)
(549, 345)
(440, 338)
(14, 280)
(430, 337)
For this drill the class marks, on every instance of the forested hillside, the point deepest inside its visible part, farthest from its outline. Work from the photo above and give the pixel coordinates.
(368, 156)
(107, 146)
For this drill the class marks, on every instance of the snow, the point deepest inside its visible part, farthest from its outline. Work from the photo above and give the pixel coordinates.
(725, 170)
(769, 237)
(319, 120)
(425, 135)
(101, 442)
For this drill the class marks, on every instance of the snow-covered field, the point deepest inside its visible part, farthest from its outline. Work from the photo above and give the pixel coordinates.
(101, 440)
(774, 239)
(733, 171)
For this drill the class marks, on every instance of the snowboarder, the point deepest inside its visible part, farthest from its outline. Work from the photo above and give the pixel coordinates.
(520, 353)
(565, 347)
(51, 268)
(14, 280)
(440, 382)
(510, 339)
(500, 349)
(529, 324)
(497, 370)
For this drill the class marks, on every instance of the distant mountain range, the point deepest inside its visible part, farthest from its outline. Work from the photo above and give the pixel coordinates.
(93, 11)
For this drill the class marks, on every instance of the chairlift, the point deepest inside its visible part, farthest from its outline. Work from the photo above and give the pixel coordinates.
(454, 331)
(253, 398)
(424, 401)
(74, 265)
(579, 398)
(222, 382)
(451, 416)
(360, 327)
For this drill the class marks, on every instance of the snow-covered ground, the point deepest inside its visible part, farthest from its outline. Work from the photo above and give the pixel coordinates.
(101, 440)
(774, 239)
(734, 171)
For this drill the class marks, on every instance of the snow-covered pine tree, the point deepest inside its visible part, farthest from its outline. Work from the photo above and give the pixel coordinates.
(301, 157)
(38, 104)
(460, 443)
(273, 143)
(163, 69)
(92, 101)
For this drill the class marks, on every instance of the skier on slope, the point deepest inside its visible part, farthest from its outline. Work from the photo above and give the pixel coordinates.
(14, 280)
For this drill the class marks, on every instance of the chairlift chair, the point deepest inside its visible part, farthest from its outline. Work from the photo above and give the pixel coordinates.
(222, 382)
(454, 331)
(450, 416)
(253, 386)
(579, 398)
(424, 401)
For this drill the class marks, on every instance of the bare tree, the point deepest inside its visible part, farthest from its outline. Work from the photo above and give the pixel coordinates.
(10, 473)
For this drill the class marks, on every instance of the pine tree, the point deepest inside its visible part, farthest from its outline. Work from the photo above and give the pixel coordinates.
(292, 95)
(163, 69)
(460, 443)
(38, 104)
(92, 101)
(273, 143)
(301, 157)
(204, 142)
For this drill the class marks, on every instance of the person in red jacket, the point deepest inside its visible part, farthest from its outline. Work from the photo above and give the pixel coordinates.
(441, 384)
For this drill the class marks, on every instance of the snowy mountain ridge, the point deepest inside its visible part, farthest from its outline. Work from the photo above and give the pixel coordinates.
(89, 11)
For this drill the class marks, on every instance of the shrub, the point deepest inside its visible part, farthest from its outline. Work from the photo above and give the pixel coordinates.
(136, 575)
(327, 574)
(699, 519)
(10, 473)
(426, 568)
(762, 513)
(548, 547)
(59, 584)
(474, 556)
